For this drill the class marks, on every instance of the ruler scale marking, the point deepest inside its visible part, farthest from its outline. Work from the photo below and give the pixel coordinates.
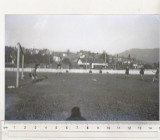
(43, 129)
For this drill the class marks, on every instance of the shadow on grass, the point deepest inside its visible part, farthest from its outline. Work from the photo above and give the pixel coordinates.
(75, 115)
(30, 81)
(135, 78)
(39, 80)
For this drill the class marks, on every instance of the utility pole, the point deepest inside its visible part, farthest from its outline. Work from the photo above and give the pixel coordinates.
(86, 61)
(116, 60)
(49, 60)
(105, 60)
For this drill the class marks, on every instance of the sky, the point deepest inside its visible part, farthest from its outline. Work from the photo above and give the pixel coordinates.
(95, 33)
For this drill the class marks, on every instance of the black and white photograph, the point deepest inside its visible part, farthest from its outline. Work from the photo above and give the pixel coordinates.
(82, 67)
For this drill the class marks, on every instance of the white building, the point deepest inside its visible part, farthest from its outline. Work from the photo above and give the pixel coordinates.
(56, 58)
(80, 63)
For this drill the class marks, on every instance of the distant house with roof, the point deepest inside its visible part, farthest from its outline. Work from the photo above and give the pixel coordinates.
(84, 62)
(91, 63)
(99, 64)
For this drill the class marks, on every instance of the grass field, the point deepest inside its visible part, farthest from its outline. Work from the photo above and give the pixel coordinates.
(100, 97)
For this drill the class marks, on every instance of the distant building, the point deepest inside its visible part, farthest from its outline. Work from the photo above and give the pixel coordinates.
(82, 56)
(64, 54)
(83, 63)
(94, 63)
(139, 66)
(126, 62)
(34, 51)
(99, 63)
(135, 66)
(119, 59)
(56, 59)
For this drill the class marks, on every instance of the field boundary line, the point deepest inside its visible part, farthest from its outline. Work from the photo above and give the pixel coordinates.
(94, 71)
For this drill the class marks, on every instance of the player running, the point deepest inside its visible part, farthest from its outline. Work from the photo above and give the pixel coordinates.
(156, 76)
(142, 72)
(127, 72)
(33, 74)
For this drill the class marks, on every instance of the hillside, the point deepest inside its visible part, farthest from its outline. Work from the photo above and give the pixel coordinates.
(145, 55)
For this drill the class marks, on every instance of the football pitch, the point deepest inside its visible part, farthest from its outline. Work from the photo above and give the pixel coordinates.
(100, 97)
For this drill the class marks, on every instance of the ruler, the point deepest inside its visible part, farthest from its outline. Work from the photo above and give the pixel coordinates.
(19, 130)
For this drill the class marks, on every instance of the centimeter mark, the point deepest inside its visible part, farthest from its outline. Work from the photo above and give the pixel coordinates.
(68, 126)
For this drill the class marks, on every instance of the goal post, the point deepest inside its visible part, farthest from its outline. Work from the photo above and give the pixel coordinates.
(19, 51)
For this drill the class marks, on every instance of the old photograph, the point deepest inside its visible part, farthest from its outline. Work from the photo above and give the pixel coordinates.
(82, 67)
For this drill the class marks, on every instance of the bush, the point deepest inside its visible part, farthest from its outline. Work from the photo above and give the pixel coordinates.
(148, 66)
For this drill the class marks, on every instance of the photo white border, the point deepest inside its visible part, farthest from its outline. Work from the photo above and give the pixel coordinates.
(65, 7)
